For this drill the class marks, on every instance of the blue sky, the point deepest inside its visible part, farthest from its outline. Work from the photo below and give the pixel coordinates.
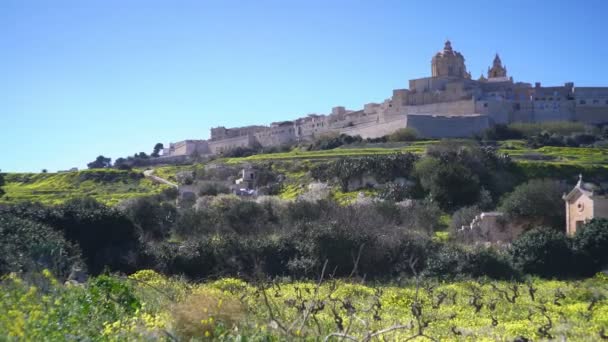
(114, 77)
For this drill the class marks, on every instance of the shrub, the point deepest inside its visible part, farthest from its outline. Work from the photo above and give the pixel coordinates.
(543, 252)
(28, 246)
(539, 201)
(154, 219)
(395, 192)
(330, 141)
(454, 174)
(463, 217)
(213, 189)
(453, 261)
(403, 134)
(202, 314)
(1, 184)
(592, 243)
(555, 127)
(501, 132)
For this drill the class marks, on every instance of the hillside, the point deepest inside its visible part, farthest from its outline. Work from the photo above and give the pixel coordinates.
(112, 186)
(108, 186)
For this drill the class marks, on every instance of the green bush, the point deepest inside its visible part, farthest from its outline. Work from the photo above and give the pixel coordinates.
(591, 242)
(538, 201)
(28, 246)
(403, 134)
(543, 252)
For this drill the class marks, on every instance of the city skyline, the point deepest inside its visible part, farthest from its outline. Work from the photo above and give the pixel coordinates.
(83, 80)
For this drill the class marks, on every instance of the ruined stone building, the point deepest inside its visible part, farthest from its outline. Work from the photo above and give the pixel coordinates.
(448, 104)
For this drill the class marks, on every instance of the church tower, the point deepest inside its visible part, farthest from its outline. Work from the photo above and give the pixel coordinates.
(497, 70)
(449, 63)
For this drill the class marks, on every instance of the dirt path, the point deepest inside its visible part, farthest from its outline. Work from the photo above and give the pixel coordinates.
(150, 174)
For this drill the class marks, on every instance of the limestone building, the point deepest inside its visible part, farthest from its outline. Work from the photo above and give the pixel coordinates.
(449, 103)
(585, 202)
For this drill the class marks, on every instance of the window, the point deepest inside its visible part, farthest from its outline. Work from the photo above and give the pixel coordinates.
(596, 101)
(579, 225)
(485, 105)
(582, 102)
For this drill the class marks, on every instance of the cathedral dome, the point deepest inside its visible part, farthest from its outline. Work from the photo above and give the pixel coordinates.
(448, 63)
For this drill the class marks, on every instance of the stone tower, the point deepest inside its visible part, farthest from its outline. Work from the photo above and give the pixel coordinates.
(497, 70)
(449, 63)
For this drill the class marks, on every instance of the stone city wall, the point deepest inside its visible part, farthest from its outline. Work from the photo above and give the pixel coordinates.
(462, 107)
(435, 126)
(219, 146)
(374, 129)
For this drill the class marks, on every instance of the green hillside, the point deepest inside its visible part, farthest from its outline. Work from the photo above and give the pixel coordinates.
(112, 186)
(105, 185)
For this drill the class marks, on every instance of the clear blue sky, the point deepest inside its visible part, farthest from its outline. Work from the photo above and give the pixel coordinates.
(114, 77)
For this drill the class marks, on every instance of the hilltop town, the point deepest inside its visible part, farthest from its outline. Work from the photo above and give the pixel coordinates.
(448, 104)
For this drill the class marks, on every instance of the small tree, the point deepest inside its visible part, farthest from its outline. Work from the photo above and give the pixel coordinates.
(157, 148)
(539, 201)
(100, 163)
(122, 164)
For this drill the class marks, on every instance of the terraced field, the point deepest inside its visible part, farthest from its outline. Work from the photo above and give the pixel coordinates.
(113, 186)
(107, 186)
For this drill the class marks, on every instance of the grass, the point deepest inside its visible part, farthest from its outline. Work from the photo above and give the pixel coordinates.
(515, 148)
(105, 185)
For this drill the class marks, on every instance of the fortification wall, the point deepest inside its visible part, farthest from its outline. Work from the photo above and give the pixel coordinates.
(375, 129)
(187, 147)
(217, 147)
(276, 136)
(591, 114)
(553, 111)
(434, 126)
(462, 107)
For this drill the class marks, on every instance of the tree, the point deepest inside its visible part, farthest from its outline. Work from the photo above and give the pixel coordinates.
(100, 163)
(451, 184)
(539, 201)
(157, 148)
(1, 183)
(592, 243)
(544, 252)
(123, 164)
(45, 171)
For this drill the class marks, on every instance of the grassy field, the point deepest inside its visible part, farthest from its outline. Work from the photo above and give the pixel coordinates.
(108, 186)
(148, 306)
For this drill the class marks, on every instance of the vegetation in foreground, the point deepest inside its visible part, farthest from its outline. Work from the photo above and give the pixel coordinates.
(148, 306)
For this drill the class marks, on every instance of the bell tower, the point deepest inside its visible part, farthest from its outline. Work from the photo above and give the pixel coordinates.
(497, 70)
